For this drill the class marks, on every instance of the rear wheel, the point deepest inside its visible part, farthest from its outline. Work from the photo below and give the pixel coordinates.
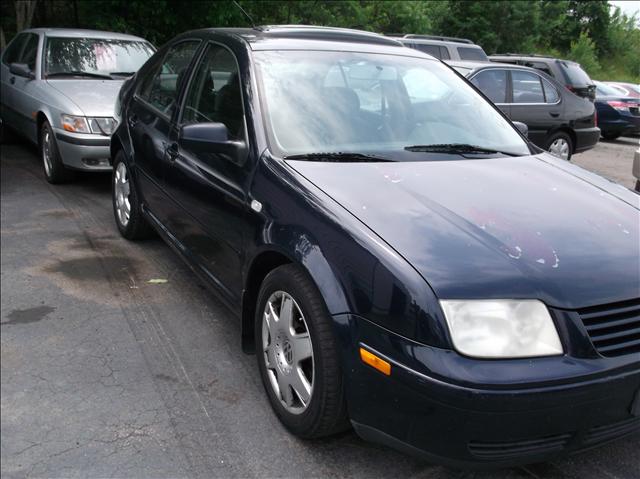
(126, 204)
(54, 170)
(560, 145)
(298, 356)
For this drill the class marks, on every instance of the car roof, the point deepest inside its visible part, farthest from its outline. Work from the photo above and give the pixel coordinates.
(305, 37)
(80, 33)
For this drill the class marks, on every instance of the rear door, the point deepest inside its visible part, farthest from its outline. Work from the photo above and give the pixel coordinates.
(149, 119)
(535, 102)
(208, 188)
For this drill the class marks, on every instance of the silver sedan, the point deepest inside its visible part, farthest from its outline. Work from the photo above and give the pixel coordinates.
(59, 89)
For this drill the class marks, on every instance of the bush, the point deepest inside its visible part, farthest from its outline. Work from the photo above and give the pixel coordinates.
(583, 51)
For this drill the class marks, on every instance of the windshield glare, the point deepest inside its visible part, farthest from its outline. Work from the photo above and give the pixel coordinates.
(324, 101)
(95, 55)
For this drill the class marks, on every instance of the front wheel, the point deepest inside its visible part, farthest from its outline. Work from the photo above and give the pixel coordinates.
(560, 145)
(298, 356)
(54, 170)
(126, 204)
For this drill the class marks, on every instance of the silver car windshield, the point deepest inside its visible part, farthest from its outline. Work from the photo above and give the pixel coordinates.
(326, 101)
(94, 56)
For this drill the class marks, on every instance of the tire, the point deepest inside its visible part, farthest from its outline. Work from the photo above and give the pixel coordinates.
(325, 411)
(126, 204)
(638, 186)
(611, 136)
(54, 170)
(555, 142)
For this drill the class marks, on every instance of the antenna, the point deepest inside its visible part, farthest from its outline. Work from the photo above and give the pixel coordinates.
(245, 14)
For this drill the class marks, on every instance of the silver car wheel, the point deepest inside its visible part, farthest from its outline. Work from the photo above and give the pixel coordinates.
(560, 148)
(47, 148)
(121, 190)
(288, 352)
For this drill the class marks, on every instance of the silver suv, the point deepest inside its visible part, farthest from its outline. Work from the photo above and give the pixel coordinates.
(445, 48)
(59, 90)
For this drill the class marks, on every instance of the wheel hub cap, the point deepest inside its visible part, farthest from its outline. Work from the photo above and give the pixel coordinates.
(288, 352)
(46, 152)
(560, 148)
(121, 191)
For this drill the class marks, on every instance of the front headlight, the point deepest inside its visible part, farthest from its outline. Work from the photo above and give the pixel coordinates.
(501, 328)
(80, 124)
(102, 126)
(76, 124)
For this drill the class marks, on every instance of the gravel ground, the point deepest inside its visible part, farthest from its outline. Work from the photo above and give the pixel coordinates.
(107, 375)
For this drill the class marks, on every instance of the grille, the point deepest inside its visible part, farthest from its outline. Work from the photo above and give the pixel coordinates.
(606, 433)
(614, 329)
(495, 451)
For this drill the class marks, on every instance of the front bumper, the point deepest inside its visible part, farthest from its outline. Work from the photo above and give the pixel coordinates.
(84, 151)
(484, 413)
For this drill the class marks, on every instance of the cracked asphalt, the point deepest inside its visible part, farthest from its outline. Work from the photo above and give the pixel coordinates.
(104, 374)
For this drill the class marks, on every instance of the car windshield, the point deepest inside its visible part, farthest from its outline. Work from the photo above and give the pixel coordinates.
(94, 57)
(347, 102)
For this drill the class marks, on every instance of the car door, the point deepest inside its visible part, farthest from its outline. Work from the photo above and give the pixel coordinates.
(208, 187)
(494, 83)
(25, 92)
(8, 91)
(530, 106)
(149, 119)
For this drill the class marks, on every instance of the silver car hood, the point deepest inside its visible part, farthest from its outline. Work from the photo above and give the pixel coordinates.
(93, 97)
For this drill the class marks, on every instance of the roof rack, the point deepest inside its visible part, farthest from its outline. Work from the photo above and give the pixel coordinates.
(536, 55)
(310, 32)
(437, 37)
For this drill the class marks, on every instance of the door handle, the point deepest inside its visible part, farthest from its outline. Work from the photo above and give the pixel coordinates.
(12, 80)
(554, 114)
(172, 152)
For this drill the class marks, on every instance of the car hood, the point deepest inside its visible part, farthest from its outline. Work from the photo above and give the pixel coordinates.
(93, 97)
(527, 227)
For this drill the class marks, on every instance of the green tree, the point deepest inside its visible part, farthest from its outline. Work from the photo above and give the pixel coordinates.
(584, 52)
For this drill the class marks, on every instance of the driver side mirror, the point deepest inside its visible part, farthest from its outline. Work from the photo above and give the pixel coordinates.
(21, 70)
(213, 139)
(522, 128)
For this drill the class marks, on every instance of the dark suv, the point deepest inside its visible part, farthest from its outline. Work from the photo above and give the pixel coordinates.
(400, 258)
(568, 73)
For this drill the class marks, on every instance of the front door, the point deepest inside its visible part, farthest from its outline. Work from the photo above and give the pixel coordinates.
(209, 188)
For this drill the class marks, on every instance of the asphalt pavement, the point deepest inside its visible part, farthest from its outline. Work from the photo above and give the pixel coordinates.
(106, 373)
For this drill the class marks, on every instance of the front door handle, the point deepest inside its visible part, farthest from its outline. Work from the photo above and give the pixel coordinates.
(12, 80)
(172, 152)
(554, 114)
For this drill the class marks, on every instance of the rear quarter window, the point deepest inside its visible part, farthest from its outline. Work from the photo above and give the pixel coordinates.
(472, 53)
(433, 50)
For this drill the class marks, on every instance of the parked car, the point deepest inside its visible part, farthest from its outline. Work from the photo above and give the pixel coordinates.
(636, 168)
(627, 89)
(401, 259)
(444, 48)
(59, 88)
(617, 114)
(558, 121)
(568, 73)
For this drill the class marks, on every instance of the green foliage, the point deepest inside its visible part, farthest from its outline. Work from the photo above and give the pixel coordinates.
(603, 40)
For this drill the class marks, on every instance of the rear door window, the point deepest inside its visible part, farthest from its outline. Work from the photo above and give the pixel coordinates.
(550, 92)
(473, 54)
(444, 53)
(161, 89)
(493, 83)
(526, 87)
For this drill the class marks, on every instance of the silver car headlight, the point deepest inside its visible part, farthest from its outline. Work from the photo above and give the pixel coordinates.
(75, 124)
(102, 126)
(501, 328)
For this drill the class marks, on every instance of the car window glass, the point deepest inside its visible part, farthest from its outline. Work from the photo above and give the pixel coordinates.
(526, 87)
(575, 74)
(493, 83)
(30, 51)
(433, 50)
(472, 53)
(161, 87)
(13, 51)
(540, 66)
(422, 85)
(550, 92)
(214, 93)
(444, 53)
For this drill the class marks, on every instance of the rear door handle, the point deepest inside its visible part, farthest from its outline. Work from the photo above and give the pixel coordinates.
(172, 152)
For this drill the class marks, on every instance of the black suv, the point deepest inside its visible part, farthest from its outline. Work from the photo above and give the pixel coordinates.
(568, 73)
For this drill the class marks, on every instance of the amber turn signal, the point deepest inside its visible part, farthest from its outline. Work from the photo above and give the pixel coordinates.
(375, 362)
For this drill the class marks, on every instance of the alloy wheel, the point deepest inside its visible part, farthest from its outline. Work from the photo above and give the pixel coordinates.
(560, 148)
(47, 148)
(288, 352)
(121, 190)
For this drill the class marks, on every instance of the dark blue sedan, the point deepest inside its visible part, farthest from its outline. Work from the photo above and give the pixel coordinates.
(617, 114)
(401, 259)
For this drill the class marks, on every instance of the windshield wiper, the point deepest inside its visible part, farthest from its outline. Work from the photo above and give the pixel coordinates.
(458, 148)
(122, 74)
(78, 73)
(337, 157)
